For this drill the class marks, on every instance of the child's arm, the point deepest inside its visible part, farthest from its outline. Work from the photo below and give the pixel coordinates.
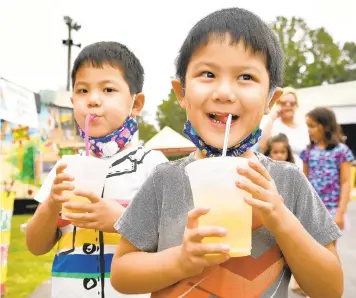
(345, 193)
(345, 157)
(136, 272)
(304, 156)
(41, 231)
(266, 134)
(305, 169)
(311, 256)
(268, 129)
(307, 259)
(345, 184)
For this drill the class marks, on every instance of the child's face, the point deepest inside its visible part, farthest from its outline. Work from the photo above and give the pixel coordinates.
(103, 92)
(315, 130)
(221, 79)
(279, 151)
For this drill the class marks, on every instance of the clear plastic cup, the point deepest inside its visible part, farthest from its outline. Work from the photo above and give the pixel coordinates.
(213, 183)
(89, 175)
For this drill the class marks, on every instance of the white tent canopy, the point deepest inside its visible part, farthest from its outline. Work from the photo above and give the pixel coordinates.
(169, 140)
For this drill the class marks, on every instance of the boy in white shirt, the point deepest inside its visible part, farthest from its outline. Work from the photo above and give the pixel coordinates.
(107, 84)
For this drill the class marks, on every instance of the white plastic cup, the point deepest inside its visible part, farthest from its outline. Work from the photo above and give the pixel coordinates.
(213, 184)
(89, 175)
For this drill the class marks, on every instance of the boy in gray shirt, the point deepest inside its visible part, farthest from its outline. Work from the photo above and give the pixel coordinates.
(230, 63)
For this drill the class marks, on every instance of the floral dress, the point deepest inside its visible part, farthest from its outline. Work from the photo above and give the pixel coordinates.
(324, 172)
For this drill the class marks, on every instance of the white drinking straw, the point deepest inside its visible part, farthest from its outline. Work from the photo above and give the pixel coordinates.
(227, 132)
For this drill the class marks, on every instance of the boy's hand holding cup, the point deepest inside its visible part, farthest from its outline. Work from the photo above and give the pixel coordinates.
(194, 255)
(61, 183)
(86, 173)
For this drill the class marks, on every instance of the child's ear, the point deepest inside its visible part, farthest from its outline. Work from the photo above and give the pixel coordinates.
(138, 104)
(275, 96)
(178, 90)
(71, 100)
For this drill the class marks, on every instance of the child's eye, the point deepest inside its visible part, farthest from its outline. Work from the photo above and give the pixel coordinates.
(207, 74)
(80, 91)
(109, 90)
(245, 77)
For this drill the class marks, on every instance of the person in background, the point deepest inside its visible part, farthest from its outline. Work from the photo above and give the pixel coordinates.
(327, 162)
(279, 149)
(282, 119)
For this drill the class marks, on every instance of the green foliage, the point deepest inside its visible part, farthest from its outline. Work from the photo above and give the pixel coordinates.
(146, 130)
(169, 113)
(311, 55)
(27, 175)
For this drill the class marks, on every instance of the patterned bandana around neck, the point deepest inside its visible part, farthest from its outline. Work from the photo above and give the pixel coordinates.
(210, 151)
(111, 144)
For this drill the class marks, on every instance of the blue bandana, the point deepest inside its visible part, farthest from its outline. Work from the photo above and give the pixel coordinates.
(210, 151)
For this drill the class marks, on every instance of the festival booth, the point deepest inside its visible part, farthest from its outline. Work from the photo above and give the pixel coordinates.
(170, 143)
(19, 109)
(59, 130)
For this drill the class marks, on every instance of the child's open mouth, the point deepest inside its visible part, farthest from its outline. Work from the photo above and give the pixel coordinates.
(221, 118)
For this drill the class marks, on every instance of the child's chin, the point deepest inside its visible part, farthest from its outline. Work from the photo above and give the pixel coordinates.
(214, 142)
(98, 134)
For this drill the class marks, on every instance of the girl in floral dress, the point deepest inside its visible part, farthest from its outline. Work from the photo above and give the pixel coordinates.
(327, 162)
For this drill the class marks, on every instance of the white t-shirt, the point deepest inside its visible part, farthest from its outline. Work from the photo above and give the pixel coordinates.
(81, 268)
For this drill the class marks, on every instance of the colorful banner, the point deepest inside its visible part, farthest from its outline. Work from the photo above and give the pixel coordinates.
(6, 209)
(18, 105)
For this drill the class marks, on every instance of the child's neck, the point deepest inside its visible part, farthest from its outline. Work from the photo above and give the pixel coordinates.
(289, 122)
(321, 144)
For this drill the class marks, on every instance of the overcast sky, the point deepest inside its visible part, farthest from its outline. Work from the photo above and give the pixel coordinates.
(31, 33)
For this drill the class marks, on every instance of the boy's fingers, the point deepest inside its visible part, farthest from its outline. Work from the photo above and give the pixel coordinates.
(255, 177)
(79, 217)
(60, 168)
(62, 177)
(60, 199)
(80, 207)
(58, 188)
(93, 198)
(193, 216)
(216, 259)
(198, 234)
(202, 249)
(258, 204)
(255, 190)
(260, 169)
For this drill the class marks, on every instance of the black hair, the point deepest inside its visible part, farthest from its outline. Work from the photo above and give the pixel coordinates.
(116, 55)
(333, 134)
(280, 138)
(241, 25)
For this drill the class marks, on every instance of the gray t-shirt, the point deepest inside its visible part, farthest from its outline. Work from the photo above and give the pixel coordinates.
(156, 218)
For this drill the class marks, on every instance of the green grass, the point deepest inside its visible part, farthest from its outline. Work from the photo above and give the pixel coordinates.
(25, 271)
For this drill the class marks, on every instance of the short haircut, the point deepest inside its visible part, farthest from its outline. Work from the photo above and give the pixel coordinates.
(116, 55)
(241, 25)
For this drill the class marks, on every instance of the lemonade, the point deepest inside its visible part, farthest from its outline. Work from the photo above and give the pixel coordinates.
(228, 210)
(89, 174)
(213, 184)
(73, 198)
